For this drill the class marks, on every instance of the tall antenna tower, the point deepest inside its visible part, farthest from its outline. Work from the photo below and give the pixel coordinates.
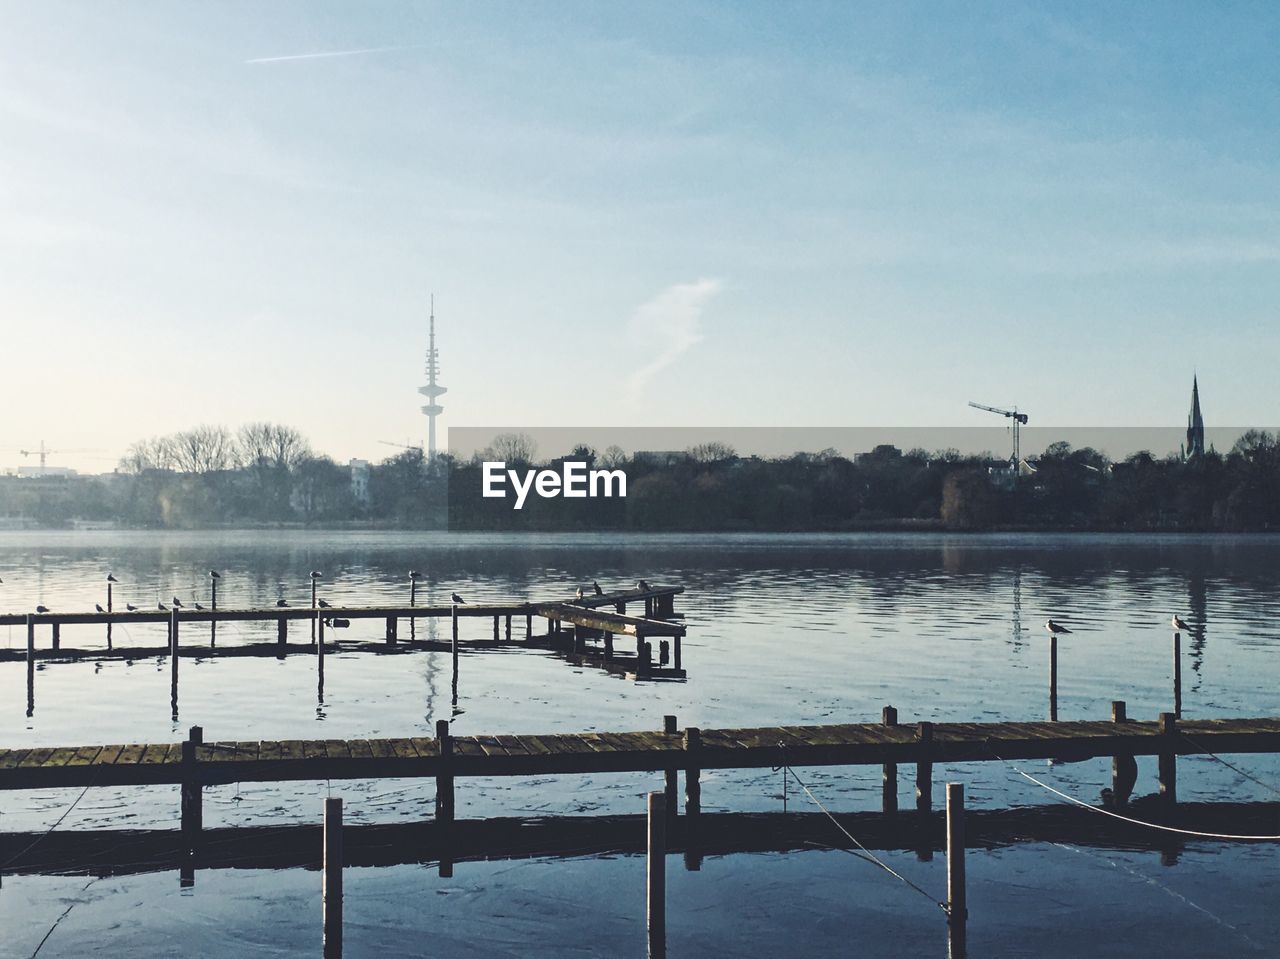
(432, 391)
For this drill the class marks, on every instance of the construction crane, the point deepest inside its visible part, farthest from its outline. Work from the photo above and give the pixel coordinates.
(403, 446)
(44, 453)
(1019, 419)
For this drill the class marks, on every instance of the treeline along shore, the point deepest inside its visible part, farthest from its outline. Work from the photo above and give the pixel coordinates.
(267, 474)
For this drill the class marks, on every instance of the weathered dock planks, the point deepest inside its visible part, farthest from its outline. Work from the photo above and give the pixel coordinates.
(597, 752)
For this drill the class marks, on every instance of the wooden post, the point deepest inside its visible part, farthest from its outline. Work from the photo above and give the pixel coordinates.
(282, 636)
(56, 630)
(889, 771)
(528, 626)
(173, 659)
(621, 609)
(495, 628)
(331, 893)
(508, 628)
(454, 650)
(957, 906)
(444, 778)
(608, 646)
(110, 607)
(1177, 675)
(1168, 761)
(1124, 768)
(319, 626)
(669, 728)
(924, 769)
(31, 664)
(1053, 679)
(656, 886)
(676, 663)
(192, 810)
(692, 798)
(213, 605)
(391, 630)
(413, 591)
(313, 607)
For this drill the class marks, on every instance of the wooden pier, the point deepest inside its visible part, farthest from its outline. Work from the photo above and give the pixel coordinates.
(582, 630)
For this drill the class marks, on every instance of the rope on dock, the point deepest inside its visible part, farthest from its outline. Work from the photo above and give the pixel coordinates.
(867, 854)
(35, 842)
(1230, 766)
(1128, 819)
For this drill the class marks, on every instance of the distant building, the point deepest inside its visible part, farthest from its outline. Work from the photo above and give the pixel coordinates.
(360, 481)
(1195, 425)
(45, 472)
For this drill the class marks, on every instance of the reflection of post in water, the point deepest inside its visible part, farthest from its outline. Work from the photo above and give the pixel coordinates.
(318, 626)
(1198, 608)
(213, 604)
(1017, 606)
(454, 651)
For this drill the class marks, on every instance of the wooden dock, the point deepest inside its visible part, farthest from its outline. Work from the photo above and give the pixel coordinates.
(582, 630)
(446, 756)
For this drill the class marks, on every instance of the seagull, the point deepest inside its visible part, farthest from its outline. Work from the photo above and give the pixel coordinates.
(199, 607)
(414, 574)
(111, 578)
(1055, 628)
(281, 603)
(316, 574)
(324, 604)
(161, 606)
(177, 603)
(642, 586)
(458, 599)
(98, 607)
(42, 609)
(130, 607)
(1180, 624)
(599, 591)
(214, 574)
(580, 594)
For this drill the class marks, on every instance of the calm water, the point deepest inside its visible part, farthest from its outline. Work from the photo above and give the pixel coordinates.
(782, 629)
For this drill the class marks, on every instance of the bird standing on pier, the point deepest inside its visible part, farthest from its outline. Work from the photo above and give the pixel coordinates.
(458, 599)
(316, 574)
(281, 603)
(111, 578)
(1055, 629)
(322, 603)
(414, 574)
(599, 591)
(580, 594)
(98, 607)
(177, 603)
(130, 607)
(1180, 624)
(642, 586)
(162, 606)
(42, 609)
(199, 607)
(214, 574)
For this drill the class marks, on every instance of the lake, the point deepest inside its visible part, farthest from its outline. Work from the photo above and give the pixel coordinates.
(783, 629)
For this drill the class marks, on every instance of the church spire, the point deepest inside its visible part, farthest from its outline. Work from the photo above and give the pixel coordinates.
(1195, 423)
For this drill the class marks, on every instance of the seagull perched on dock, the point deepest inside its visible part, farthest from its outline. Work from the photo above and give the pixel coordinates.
(323, 603)
(130, 607)
(42, 609)
(162, 606)
(98, 607)
(580, 594)
(414, 574)
(458, 599)
(642, 586)
(1055, 629)
(199, 607)
(1180, 624)
(281, 603)
(599, 591)
(214, 574)
(316, 574)
(111, 578)
(177, 603)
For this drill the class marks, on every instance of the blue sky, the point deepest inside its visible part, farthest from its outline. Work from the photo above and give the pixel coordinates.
(649, 214)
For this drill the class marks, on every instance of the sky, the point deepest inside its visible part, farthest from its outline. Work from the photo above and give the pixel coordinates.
(636, 214)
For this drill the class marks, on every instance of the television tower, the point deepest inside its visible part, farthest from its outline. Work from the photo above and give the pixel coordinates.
(432, 391)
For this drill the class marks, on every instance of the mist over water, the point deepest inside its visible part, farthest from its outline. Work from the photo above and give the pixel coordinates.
(786, 629)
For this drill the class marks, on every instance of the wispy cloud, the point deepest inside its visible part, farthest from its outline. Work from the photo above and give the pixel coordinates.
(672, 322)
(324, 54)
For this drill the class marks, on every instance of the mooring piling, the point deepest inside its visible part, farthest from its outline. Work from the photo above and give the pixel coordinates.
(692, 796)
(1177, 674)
(670, 728)
(173, 661)
(444, 794)
(1053, 678)
(331, 891)
(924, 770)
(1124, 768)
(453, 652)
(656, 885)
(889, 771)
(110, 608)
(1167, 761)
(31, 664)
(213, 605)
(957, 901)
(192, 802)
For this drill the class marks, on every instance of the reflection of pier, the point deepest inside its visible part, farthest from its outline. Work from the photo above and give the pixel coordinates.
(111, 852)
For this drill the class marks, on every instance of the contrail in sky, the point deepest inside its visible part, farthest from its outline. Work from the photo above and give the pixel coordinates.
(335, 53)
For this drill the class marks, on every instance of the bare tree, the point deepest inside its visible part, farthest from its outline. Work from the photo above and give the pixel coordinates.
(157, 453)
(272, 445)
(614, 457)
(205, 449)
(512, 448)
(712, 452)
